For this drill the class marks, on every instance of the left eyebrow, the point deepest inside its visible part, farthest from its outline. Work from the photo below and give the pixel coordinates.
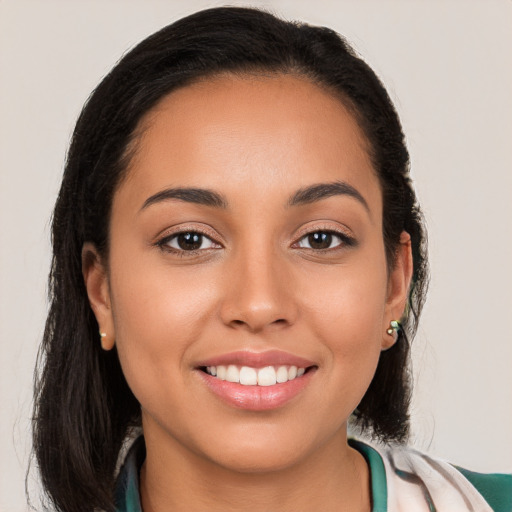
(188, 195)
(320, 191)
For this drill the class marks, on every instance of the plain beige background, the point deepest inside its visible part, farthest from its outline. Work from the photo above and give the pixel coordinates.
(447, 67)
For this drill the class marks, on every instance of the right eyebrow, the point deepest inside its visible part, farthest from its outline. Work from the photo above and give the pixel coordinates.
(202, 196)
(320, 191)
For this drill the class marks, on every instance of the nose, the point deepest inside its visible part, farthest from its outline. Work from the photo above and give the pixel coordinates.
(259, 293)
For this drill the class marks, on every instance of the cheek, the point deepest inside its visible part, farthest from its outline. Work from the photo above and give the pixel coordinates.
(158, 316)
(346, 310)
(349, 301)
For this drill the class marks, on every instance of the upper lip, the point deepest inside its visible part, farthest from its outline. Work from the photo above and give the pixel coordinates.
(258, 359)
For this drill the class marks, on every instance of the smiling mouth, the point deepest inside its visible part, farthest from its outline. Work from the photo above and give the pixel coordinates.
(249, 376)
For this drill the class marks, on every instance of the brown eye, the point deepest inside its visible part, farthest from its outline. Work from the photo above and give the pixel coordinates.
(321, 240)
(189, 241)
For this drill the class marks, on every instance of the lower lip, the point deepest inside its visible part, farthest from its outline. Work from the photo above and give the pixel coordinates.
(257, 398)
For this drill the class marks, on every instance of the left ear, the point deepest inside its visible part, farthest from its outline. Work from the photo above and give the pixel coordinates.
(398, 288)
(98, 290)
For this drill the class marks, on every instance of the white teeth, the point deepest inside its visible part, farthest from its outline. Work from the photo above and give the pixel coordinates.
(221, 372)
(267, 376)
(233, 374)
(282, 374)
(247, 376)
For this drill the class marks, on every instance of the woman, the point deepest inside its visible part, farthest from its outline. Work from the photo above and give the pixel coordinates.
(239, 261)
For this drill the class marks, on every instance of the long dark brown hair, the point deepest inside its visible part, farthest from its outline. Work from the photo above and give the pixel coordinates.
(83, 405)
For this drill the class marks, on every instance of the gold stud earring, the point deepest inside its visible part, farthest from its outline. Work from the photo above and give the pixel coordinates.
(394, 327)
(103, 336)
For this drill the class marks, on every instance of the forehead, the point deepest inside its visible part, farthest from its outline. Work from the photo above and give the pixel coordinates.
(269, 134)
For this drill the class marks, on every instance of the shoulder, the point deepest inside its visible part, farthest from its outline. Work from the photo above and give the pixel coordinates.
(496, 488)
(441, 485)
(417, 481)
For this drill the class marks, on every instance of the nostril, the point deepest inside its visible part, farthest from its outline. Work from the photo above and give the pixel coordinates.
(258, 322)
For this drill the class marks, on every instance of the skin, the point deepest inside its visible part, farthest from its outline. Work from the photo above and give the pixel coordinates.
(258, 286)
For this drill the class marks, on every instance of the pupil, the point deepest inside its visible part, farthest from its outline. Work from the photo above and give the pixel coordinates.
(189, 241)
(320, 240)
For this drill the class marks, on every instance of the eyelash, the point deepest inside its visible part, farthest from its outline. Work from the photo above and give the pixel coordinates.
(164, 244)
(344, 239)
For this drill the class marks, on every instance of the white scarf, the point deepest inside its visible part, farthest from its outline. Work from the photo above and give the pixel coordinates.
(419, 483)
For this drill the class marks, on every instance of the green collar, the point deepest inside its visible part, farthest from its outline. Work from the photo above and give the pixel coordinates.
(377, 474)
(127, 496)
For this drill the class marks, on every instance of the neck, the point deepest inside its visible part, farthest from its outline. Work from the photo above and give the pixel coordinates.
(335, 477)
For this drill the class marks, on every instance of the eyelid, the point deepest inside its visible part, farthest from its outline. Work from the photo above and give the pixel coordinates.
(345, 234)
(170, 241)
(168, 234)
(341, 241)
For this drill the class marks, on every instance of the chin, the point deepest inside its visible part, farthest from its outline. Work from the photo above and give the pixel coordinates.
(265, 458)
(262, 450)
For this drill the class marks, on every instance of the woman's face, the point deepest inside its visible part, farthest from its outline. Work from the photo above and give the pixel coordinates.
(246, 241)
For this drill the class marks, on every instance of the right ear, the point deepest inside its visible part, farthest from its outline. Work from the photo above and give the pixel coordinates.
(98, 291)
